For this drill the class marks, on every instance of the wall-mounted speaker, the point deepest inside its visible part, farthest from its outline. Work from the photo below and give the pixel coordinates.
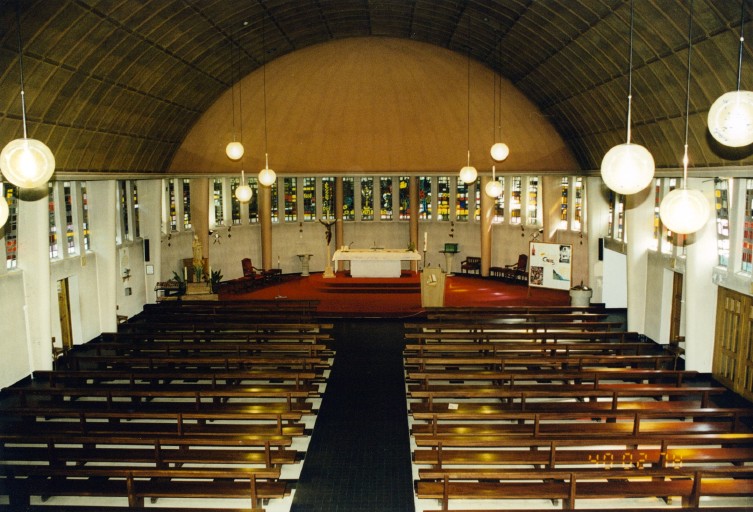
(601, 249)
(146, 250)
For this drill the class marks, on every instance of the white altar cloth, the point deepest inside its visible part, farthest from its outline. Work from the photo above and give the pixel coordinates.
(375, 262)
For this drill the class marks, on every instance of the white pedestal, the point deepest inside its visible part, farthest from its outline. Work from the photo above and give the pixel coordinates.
(449, 258)
(305, 260)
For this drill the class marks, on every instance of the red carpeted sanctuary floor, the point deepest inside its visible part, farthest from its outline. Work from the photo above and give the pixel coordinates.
(344, 296)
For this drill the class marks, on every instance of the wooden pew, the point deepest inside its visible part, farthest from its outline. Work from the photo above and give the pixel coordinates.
(571, 486)
(136, 484)
(659, 451)
(479, 325)
(213, 379)
(448, 349)
(533, 308)
(506, 336)
(160, 452)
(620, 422)
(553, 362)
(139, 348)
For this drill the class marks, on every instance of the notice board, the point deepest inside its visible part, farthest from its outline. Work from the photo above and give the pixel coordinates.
(550, 265)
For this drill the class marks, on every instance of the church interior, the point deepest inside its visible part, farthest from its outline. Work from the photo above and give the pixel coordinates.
(384, 255)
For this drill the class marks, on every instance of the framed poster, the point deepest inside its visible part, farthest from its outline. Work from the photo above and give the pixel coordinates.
(550, 265)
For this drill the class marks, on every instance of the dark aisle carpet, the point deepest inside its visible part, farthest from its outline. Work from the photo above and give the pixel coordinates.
(359, 456)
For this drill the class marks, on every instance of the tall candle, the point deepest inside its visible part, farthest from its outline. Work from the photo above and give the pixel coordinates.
(185, 273)
(426, 239)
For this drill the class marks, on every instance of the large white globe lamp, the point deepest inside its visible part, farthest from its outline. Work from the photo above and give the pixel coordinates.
(493, 188)
(468, 174)
(627, 168)
(684, 210)
(27, 163)
(267, 176)
(499, 151)
(243, 192)
(731, 119)
(234, 150)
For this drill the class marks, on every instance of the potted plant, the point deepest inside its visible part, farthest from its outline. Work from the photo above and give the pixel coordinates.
(215, 279)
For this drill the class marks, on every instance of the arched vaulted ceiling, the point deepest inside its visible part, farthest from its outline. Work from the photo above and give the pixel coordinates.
(115, 85)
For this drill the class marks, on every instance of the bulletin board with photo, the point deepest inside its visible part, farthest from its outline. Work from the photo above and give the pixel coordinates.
(550, 265)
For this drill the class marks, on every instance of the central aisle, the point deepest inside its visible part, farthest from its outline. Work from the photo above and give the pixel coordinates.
(359, 455)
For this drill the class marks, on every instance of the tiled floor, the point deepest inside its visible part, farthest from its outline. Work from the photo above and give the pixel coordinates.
(359, 455)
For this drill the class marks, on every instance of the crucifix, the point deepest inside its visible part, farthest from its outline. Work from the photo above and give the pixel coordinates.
(328, 271)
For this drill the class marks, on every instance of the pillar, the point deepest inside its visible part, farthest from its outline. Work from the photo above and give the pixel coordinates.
(200, 201)
(102, 197)
(34, 261)
(265, 223)
(413, 221)
(487, 214)
(700, 290)
(639, 225)
(150, 215)
(339, 204)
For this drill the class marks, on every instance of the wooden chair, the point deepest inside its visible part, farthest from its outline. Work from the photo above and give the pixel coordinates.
(517, 271)
(472, 264)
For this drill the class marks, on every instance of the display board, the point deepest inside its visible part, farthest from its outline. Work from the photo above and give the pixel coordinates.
(550, 265)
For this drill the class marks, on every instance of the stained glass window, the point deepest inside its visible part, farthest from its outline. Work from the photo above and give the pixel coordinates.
(577, 223)
(564, 191)
(461, 201)
(424, 197)
(186, 205)
(253, 204)
(532, 207)
(721, 198)
(747, 256)
(404, 198)
(70, 230)
(309, 199)
(516, 188)
(349, 208)
(51, 215)
(235, 205)
(11, 227)
(291, 199)
(385, 192)
(367, 199)
(328, 197)
(219, 217)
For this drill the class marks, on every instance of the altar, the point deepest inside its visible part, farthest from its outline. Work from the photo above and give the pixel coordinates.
(375, 262)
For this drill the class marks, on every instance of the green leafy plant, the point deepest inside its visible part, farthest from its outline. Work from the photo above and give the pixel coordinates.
(198, 272)
(215, 279)
(411, 246)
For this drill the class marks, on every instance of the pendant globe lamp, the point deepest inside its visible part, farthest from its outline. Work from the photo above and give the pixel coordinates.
(685, 211)
(243, 192)
(4, 209)
(628, 168)
(234, 149)
(499, 150)
(493, 188)
(266, 176)
(468, 173)
(25, 162)
(731, 115)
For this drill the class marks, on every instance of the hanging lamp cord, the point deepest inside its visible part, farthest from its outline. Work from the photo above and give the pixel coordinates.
(264, 78)
(630, 73)
(21, 65)
(685, 160)
(742, 40)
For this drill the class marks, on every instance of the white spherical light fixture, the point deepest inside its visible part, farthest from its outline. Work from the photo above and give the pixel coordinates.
(4, 211)
(499, 151)
(627, 168)
(267, 176)
(468, 174)
(27, 163)
(493, 188)
(243, 192)
(234, 150)
(731, 119)
(684, 211)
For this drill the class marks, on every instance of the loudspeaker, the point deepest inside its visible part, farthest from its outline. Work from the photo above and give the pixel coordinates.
(601, 249)
(146, 250)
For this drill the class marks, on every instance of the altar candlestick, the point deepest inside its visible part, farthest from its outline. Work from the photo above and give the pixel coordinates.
(426, 238)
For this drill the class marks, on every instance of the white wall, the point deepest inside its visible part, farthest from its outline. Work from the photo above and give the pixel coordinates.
(614, 293)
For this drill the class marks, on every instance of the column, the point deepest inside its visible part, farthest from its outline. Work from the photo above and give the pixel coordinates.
(413, 222)
(639, 223)
(339, 236)
(550, 199)
(103, 218)
(200, 204)
(700, 290)
(150, 207)
(265, 223)
(596, 219)
(487, 213)
(34, 261)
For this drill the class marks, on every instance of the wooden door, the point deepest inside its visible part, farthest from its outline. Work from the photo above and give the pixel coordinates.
(65, 314)
(733, 357)
(675, 318)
